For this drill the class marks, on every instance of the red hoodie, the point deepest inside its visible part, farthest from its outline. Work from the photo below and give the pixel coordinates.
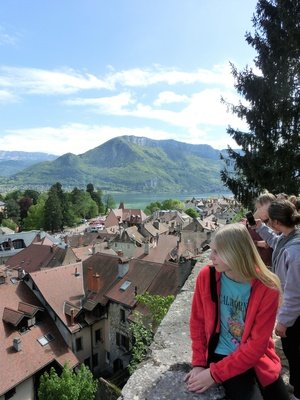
(256, 349)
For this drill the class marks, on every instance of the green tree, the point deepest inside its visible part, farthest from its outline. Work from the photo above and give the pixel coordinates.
(157, 305)
(84, 206)
(24, 204)
(32, 194)
(53, 220)
(36, 214)
(64, 205)
(12, 209)
(144, 326)
(96, 196)
(9, 223)
(142, 337)
(15, 195)
(191, 212)
(154, 206)
(68, 386)
(109, 202)
(172, 204)
(269, 157)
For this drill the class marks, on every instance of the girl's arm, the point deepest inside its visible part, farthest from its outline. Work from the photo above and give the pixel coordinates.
(267, 234)
(197, 327)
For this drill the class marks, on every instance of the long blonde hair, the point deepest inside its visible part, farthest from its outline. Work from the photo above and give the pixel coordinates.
(237, 249)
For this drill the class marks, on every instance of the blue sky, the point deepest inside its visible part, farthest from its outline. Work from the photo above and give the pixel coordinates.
(76, 73)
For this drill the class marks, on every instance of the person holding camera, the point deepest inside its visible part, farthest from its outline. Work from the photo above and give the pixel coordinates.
(262, 204)
(284, 218)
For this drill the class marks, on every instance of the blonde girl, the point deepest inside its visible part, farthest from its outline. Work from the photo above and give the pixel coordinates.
(232, 318)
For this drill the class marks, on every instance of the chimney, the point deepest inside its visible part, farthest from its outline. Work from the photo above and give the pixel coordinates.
(66, 239)
(123, 268)
(147, 248)
(90, 279)
(96, 282)
(17, 343)
(72, 311)
(21, 273)
(94, 249)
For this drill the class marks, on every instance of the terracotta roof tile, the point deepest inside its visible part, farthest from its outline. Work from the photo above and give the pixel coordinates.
(16, 367)
(11, 316)
(140, 275)
(28, 309)
(61, 284)
(37, 256)
(106, 266)
(160, 252)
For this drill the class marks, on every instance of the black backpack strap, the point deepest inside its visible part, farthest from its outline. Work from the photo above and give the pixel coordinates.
(213, 284)
(214, 296)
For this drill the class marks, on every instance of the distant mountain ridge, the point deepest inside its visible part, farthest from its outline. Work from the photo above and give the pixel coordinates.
(130, 163)
(12, 162)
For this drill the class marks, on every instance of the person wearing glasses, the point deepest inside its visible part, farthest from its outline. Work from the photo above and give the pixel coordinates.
(284, 219)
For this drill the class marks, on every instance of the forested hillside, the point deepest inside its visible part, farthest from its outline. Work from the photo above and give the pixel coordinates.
(130, 163)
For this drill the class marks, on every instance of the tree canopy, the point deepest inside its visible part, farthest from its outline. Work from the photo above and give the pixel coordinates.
(270, 151)
(52, 210)
(68, 386)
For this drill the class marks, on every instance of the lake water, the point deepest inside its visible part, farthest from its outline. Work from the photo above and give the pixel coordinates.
(141, 200)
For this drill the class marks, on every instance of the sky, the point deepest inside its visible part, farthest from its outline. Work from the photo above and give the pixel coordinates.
(76, 73)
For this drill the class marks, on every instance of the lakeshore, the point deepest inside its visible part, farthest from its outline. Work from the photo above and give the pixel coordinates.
(141, 200)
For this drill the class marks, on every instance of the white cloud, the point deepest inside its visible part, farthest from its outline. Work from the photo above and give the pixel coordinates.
(66, 81)
(220, 74)
(109, 105)
(169, 97)
(73, 138)
(203, 108)
(79, 138)
(38, 81)
(196, 116)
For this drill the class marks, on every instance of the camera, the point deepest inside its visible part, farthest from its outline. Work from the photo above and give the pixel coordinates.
(250, 218)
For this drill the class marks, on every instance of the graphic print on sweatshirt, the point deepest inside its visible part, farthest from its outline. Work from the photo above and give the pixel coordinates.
(234, 299)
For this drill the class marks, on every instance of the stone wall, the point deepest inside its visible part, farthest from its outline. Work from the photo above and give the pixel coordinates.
(161, 376)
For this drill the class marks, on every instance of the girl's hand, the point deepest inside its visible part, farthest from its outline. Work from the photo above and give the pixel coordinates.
(199, 380)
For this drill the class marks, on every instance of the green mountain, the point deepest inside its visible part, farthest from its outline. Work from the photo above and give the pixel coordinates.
(131, 163)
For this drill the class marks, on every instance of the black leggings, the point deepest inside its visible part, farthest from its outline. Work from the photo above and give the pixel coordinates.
(246, 387)
(291, 349)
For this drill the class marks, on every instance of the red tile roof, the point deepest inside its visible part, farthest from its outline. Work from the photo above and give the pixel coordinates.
(160, 252)
(14, 317)
(59, 285)
(140, 275)
(106, 266)
(37, 256)
(16, 367)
